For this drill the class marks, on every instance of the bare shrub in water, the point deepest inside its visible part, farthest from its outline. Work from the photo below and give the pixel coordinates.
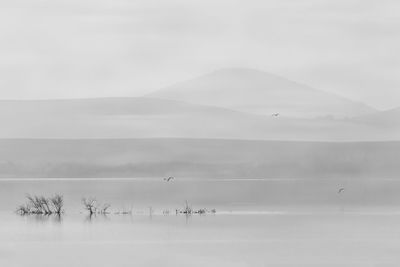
(35, 203)
(24, 209)
(90, 204)
(41, 205)
(57, 203)
(104, 208)
(187, 209)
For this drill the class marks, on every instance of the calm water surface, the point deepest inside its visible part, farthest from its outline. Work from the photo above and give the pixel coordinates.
(252, 227)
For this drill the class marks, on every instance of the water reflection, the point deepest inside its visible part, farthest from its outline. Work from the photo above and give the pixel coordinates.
(225, 240)
(93, 216)
(42, 218)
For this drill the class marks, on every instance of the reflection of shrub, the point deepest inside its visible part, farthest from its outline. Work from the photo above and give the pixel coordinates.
(42, 205)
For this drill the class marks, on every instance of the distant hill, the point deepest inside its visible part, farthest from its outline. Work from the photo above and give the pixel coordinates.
(113, 118)
(158, 118)
(261, 93)
(388, 118)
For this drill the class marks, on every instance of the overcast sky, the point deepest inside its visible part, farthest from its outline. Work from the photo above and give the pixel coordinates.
(95, 48)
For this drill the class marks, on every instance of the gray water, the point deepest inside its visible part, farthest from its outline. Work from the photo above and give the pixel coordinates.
(258, 223)
(226, 194)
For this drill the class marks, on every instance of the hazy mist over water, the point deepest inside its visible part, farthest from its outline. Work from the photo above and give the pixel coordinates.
(199, 133)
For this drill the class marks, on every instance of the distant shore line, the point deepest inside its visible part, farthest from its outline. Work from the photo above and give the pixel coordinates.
(158, 179)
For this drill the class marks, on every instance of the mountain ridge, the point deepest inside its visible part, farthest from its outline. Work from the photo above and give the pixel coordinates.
(156, 118)
(257, 92)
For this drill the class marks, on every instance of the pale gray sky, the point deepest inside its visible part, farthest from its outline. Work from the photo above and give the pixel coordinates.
(94, 48)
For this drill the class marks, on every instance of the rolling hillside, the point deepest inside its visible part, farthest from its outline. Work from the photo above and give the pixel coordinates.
(261, 93)
(160, 118)
(387, 118)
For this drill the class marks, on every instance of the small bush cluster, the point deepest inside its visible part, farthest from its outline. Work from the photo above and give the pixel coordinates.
(189, 210)
(42, 205)
(93, 207)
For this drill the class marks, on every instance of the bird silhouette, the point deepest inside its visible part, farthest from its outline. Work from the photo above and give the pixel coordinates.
(169, 179)
(275, 114)
(341, 190)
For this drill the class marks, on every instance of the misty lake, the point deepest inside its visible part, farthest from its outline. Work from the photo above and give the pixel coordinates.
(258, 223)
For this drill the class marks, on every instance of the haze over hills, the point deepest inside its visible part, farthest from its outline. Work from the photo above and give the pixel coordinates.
(113, 118)
(388, 118)
(201, 158)
(232, 104)
(257, 92)
(150, 117)
(150, 136)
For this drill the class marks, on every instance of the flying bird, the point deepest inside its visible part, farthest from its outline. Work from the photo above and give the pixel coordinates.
(341, 190)
(275, 114)
(169, 179)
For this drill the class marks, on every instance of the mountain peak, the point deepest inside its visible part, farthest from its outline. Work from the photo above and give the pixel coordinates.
(237, 70)
(257, 92)
(245, 75)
